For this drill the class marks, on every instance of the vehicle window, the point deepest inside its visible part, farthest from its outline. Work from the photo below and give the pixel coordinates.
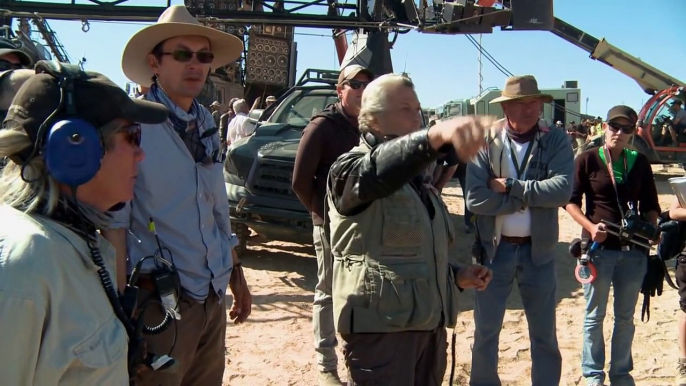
(299, 110)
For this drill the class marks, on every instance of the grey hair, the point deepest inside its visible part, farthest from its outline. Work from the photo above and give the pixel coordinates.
(240, 105)
(376, 95)
(14, 190)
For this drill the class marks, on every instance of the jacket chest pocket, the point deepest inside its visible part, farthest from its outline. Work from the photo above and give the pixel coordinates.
(401, 221)
(103, 355)
(399, 289)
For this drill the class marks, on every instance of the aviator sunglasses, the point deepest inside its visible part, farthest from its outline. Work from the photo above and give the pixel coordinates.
(626, 129)
(183, 56)
(133, 133)
(356, 84)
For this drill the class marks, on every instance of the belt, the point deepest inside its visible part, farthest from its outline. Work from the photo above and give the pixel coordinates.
(516, 240)
(146, 283)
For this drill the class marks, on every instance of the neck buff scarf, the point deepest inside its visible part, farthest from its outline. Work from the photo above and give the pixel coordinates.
(202, 143)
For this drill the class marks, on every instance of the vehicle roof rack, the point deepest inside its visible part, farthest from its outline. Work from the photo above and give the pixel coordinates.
(314, 75)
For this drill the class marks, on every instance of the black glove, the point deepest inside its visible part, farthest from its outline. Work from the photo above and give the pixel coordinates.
(653, 281)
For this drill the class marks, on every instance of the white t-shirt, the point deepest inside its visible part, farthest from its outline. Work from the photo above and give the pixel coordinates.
(240, 127)
(517, 224)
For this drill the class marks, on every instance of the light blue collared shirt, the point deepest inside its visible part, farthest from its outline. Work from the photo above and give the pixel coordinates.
(188, 203)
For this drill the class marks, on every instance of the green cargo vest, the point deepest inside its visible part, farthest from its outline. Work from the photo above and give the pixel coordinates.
(391, 270)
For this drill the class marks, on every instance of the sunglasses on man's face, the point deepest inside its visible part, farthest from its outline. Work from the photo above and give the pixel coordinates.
(184, 56)
(356, 84)
(133, 134)
(6, 66)
(626, 129)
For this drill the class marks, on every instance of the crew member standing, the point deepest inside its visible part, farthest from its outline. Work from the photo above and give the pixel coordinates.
(332, 132)
(619, 264)
(516, 186)
(181, 187)
(396, 275)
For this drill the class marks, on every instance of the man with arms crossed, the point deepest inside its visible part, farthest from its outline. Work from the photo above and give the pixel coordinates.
(181, 188)
(330, 133)
(516, 186)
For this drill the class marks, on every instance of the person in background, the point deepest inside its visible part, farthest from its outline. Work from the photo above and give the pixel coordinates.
(181, 187)
(516, 186)
(396, 276)
(215, 108)
(329, 134)
(224, 121)
(678, 117)
(612, 179)
(270, 101)
(13, 58)
(240, 126)
(63, 328)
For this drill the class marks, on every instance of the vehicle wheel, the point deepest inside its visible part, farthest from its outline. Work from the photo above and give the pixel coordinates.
(243, 233)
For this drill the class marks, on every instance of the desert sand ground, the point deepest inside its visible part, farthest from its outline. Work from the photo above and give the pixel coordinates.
(275, 346)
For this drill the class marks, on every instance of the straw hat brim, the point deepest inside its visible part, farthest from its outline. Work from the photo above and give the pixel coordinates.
(226, 48)
(545, 97)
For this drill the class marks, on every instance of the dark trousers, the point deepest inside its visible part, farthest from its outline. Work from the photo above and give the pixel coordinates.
(412, 358)
(462, 177)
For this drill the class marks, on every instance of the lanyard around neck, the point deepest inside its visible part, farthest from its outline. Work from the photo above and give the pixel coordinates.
(520, 169)
(608, 164)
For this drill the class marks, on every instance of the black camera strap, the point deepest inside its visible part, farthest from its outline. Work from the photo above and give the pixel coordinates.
(610, 170)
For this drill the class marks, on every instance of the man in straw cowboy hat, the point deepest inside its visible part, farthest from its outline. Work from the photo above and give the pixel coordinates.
(516, 185)
(180, 187)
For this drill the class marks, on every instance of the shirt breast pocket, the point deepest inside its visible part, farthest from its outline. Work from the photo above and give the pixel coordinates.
(103, 354)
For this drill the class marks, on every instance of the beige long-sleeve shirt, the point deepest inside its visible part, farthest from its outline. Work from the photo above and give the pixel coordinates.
(57, 326)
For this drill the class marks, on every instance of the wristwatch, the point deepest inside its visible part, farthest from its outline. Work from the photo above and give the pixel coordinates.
(508, 184)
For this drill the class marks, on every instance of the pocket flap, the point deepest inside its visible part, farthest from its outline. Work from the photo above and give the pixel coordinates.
(105, 347)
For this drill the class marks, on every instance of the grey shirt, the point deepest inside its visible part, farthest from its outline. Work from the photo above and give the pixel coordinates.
(188, 203)
(545, 187)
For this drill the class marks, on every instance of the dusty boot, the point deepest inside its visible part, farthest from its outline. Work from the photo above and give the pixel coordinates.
(330, 378)
(681, 372)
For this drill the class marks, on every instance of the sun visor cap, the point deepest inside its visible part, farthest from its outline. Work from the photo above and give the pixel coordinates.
(97, 99)
(351, 71)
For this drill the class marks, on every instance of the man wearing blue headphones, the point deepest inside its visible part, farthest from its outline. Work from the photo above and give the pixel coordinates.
(72, 140)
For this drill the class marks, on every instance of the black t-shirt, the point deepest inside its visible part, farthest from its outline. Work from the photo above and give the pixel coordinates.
(581, 129)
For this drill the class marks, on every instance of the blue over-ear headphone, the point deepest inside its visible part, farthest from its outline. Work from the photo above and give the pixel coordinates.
(72, 147)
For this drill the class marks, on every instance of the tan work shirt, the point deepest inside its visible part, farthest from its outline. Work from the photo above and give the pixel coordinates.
(57, 325)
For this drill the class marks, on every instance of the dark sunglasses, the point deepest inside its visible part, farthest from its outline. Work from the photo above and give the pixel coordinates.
(6, 66)
(184, 56)
(356, 84)
(626, 129)
(133, 133)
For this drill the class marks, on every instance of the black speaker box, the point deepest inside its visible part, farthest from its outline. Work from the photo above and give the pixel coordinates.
(268, 60)
(532, 15)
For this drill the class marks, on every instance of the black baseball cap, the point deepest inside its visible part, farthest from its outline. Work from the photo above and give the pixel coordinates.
(7, 47)
(622, 111)
(97, 100)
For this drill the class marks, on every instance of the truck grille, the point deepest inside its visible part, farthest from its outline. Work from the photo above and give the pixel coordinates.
(274, 178)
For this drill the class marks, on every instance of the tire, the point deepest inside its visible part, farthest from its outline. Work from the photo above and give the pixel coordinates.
(243, 233)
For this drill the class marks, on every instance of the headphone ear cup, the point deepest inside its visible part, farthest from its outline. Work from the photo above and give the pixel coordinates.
(73, 151)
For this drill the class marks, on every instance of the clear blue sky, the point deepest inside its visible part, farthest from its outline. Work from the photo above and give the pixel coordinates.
(445, 67)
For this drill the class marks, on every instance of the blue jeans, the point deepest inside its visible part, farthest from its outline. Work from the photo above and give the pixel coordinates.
(537, 285)
(625, 272)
